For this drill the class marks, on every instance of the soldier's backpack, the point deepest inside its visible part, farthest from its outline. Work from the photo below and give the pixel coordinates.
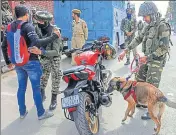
(17, 47)
(163, 21)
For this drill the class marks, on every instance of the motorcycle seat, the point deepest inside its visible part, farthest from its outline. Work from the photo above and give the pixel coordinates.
(74, 69)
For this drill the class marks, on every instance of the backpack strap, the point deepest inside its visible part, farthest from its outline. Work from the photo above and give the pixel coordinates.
(9, 27)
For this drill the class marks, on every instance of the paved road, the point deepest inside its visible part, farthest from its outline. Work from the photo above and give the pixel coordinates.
(110, 119)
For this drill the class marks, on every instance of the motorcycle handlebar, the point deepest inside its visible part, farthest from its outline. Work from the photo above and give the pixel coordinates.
(95, 44)
(76, 49)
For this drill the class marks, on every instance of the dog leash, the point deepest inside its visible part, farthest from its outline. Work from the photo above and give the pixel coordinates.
(137, 56)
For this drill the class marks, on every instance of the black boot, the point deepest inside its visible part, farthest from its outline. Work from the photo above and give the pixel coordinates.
(53, 102)
(127, 62)
(43, 95)
(137, 63)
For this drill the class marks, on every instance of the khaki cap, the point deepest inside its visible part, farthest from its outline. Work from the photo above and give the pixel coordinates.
(76, 11)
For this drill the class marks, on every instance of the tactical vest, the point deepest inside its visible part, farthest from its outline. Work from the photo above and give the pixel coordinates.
(151, 40)
(49, 46)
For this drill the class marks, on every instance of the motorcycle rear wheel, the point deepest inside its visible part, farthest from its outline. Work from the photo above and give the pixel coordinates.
(83, 120)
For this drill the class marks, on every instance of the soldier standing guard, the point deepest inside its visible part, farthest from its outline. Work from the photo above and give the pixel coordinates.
(6, 15)
(50, 57)
(80, 32)
(128, 26)
(155, 37)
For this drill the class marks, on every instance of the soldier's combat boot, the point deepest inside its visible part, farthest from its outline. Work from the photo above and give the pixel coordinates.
(53, 102)
(137, 63)
(127, 62)
(43, 95)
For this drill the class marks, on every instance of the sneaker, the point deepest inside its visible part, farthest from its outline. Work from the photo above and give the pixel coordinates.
(46, 114)
(146, 116)
(23, 116)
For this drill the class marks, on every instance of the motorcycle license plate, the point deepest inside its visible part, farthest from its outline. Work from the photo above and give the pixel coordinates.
(70, 101)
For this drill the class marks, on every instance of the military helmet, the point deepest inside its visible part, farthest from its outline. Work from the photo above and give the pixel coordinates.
(43, 16)
(147, 8)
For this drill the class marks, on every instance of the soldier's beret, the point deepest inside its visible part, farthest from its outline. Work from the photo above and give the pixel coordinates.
(43, 16)
(76, 11)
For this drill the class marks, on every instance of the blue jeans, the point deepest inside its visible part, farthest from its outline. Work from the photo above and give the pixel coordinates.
(32, 70)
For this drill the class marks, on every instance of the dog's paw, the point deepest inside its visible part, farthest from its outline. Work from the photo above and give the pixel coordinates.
(155, 129)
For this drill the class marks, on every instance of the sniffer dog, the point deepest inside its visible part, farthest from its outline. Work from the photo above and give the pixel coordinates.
(144, 94)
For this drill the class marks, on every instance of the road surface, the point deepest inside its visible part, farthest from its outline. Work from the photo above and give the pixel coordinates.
(110, 118)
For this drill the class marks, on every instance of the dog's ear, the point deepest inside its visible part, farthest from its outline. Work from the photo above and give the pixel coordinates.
(124, 84)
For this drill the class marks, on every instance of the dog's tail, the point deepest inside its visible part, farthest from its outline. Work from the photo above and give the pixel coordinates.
(168, 102)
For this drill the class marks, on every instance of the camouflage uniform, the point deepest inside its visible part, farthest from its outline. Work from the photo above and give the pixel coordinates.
(80, 33)
(155, 38)
(140, 26)
(51, 59)
(6, 16)
(129, 25)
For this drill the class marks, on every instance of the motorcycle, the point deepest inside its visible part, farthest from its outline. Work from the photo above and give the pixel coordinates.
(86, 90)
(108, 51)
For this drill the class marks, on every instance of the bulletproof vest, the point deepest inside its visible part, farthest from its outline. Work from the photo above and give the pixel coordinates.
(151, 39)
(49, 33)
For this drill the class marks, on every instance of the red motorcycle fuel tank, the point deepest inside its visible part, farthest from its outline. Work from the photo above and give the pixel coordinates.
(87, 58)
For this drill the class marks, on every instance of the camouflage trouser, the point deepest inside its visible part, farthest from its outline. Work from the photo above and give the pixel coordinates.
(51, 66)
(151, 73)
(128, 53)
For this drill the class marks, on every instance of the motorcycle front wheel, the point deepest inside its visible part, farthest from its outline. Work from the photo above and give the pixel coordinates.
(86, 123)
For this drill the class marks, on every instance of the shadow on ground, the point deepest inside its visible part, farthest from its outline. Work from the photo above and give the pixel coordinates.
(28, 126)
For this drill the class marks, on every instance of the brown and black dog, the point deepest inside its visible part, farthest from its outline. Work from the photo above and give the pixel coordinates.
(144, 94)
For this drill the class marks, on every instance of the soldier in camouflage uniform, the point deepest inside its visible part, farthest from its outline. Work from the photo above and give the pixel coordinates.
(80, 32)
(6, 15)
(128, 26)
(155, 37)
(50, 58)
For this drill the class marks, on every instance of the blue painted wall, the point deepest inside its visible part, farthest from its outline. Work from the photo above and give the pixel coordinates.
(102, 17)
